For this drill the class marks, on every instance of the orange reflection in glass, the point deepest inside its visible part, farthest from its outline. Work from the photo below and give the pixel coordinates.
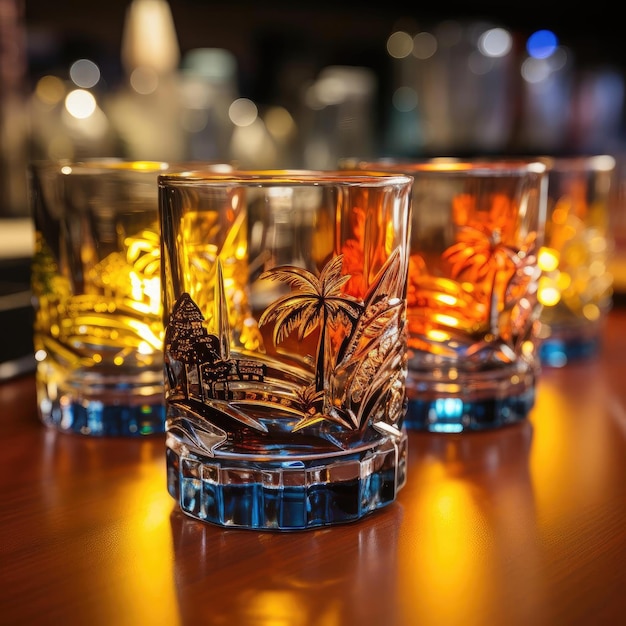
(364, 242)
(483, 275)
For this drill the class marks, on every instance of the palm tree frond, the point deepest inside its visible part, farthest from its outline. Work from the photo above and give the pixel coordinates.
(332, 270)
(282, 304)
(286, 321)
(298, 278)
(333, 286)
(351, 308)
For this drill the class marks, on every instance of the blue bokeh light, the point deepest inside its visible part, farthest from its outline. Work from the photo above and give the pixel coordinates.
(542, 44)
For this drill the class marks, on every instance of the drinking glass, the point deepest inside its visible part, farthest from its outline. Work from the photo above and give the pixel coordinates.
(95, 281)
(477, 227)
(284, 298)
(576, 287)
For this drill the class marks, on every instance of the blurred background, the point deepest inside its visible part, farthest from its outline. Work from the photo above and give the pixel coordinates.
(301, 84)
(285, 84)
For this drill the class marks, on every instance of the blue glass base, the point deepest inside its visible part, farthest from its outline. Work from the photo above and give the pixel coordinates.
(97, 419)
(285, 495)
(89, 403)
(554, 352)
(455, 415)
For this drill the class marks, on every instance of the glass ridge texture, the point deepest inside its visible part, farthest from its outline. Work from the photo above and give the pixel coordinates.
(477, 228)
(95, 280)
(576, 287)
(285, 345)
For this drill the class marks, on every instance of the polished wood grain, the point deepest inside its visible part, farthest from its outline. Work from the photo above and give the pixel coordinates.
(521, 526)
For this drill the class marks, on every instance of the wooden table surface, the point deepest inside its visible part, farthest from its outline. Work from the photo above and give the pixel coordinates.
(522, 526)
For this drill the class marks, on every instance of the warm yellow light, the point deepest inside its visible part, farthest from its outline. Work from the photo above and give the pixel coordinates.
(437, 335)
(563, 282)
(548, 293)
(275, 607)
(241, 251)
(548, 259)
(80, 104)
(148, 166)
(445, 320)
(559, 215)
(446, 299)
(597, 268)
(597, 243)
(145, 348)
(145, 539)
(152, 289)
(135, 287)
(146, 334)
(452, 552)
(279, 122)
(50, 90)
(149, 38)
(591, 312)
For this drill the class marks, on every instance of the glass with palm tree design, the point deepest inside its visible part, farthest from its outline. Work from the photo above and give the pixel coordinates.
(95, 281)
(284, 298)
(576, 287)
(473, 310)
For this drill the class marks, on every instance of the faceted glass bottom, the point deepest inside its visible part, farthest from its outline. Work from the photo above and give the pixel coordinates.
(455, 415)
(90, 404)
(93, 417)
(286, 495)
(555, 352)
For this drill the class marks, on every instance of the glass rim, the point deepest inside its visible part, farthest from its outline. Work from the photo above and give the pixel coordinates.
(451, 166)
(583, 163)
(284, 178)
(109, 165)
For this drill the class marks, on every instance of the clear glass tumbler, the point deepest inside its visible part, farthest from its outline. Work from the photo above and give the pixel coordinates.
(477, 227)
(96, 288)
(285, 344)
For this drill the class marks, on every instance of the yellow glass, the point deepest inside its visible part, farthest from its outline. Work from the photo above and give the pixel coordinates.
(576, 286)
(96, 285)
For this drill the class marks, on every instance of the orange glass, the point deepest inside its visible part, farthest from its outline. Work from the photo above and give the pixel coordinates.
(472, 290)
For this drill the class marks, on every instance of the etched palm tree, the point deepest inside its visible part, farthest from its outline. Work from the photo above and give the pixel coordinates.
(314, 303)
(482, 254)
(310, 401)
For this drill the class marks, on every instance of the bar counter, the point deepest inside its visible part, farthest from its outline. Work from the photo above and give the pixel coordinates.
(521, 526)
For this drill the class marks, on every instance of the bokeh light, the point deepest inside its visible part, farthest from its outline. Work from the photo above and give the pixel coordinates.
(80, 104)
(542, 44)
(85, 73)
